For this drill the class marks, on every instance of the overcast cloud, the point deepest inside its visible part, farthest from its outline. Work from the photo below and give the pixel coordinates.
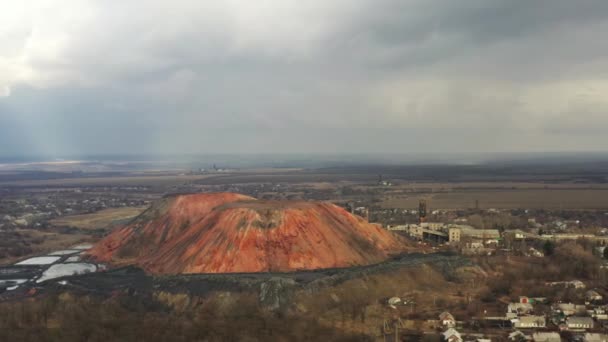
(87, 77)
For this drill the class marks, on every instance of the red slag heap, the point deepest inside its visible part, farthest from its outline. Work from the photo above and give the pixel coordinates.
(226, 232)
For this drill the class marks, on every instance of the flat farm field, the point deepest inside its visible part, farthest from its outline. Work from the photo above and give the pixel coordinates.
(505, 199)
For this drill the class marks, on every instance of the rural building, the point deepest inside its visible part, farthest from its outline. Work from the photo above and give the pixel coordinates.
(415, 231)
(517, 336)
(530, 322)
(419, 232)
(482, 234)
(454, 235)
(518, 309)
(447, 319)
(535, 252)
(451, 335)
(546, 337)
(432, 225)
(593, 296)
(517, 234)
(569, 309)
(403, 227)
(577, 284)
(475, 248)
(532, 300)
(393, 301)
(579, 323)
(440, 232)
(599, 313)
(594, 337)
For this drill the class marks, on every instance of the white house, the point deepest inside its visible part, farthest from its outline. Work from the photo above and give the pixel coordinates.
(579, 323)
(517, 309)
(447, 320)
(570, 309)
(451, 335)
(546, 337)
(529, 322)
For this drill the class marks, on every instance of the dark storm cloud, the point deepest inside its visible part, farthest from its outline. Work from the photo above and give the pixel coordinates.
(289, 76)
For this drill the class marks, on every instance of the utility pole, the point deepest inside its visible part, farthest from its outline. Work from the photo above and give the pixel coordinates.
(396, 331)
(395, 325)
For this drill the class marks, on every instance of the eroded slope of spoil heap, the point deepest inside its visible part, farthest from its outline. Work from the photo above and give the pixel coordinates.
(227, 233)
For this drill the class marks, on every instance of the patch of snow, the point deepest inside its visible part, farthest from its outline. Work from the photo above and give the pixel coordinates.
(12, 288)
(65, 252)
(62, 270)
(82, 246)
(74, 258)
(62, 282)
(12, 282)
(43, 260)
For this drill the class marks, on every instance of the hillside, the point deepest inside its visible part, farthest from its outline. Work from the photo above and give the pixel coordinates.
(226, 233)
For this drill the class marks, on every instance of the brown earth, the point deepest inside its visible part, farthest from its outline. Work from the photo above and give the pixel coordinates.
(227, 232)
(98, 220)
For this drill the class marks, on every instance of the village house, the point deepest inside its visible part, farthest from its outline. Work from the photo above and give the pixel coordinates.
(594, 337)
(577, 284)
(579, 323)
(518, 309)
(535, 252)
(532, 300)
(447, 320)
(546, 337)
(475, 248)
(593, 296)
(517, 336)
(451, 335)
(518, 234)
(569, 309)
(529, 322)
(393, 302)
(599, 313)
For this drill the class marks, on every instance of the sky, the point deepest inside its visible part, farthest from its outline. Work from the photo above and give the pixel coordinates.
(291, 76)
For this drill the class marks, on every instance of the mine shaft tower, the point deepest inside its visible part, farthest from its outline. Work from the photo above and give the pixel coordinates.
(422, 210)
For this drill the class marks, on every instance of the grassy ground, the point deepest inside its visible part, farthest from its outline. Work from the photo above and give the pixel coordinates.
(98, 220)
